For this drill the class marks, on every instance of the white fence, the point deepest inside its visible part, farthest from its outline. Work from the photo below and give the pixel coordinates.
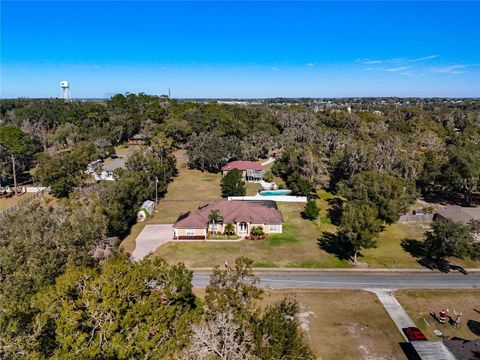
(21, 189)
(38, 194)
(415, 218)
(278, 198)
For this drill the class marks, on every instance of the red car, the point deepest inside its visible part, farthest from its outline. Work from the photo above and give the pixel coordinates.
(414, 334)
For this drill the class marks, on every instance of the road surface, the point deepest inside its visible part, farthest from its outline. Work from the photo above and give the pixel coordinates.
(357, 281)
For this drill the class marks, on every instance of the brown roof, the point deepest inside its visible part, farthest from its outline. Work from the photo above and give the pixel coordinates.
(231, 211)
(460, 214)
(242, 165)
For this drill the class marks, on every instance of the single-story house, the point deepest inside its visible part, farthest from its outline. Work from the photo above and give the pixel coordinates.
(453, 349)
(137, 139)
(459, 214)
(251, 171)
(244, 215)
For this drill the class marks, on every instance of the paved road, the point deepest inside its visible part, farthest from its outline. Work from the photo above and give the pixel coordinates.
(358, 281)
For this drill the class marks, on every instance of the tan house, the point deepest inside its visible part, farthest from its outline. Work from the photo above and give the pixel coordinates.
(244, 215)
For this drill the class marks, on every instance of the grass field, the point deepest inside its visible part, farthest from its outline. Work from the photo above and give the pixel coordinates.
(344, 324)
(189, 190)
(420, 303)
(303, 243)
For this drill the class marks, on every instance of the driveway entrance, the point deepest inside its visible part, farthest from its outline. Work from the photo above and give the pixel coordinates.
(150, 238)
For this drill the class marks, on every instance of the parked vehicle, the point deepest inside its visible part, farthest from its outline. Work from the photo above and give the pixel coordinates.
(414, 334)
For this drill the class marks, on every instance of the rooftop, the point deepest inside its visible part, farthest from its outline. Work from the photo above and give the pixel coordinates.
(460, 214)
(231, 211)
(242, 165)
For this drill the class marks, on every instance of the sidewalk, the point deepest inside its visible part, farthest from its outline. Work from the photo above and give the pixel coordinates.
(394, 309)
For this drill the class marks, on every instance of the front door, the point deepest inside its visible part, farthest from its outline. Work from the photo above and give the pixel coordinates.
(243, 228)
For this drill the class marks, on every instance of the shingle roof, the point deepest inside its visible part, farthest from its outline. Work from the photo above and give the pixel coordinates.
(242, 165)
(432, 350)
(231, 211)
(464, 349)
(460, 214)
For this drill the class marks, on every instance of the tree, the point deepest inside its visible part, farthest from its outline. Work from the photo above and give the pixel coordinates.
(359, 226)
(232, 184)
(277, 333)
(299, 185)
(390, 195)
(122, 310)
(229, 229)
(207, 151)
(311, 210)
(63, 172)
(35, 248)
(16, 148)
(220, 338)
(462, 172)
(233, 290)
(448, 238)
(235, 328)
(214, 218)
(268, 176)
(152, 164)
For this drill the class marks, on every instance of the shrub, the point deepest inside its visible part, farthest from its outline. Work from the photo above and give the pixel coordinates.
(229, 229)
(232, 184)
(257, 231)
(268, 176)
(311, 210)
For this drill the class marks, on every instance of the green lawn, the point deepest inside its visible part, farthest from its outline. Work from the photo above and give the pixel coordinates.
(189, 190)
(296, 246)
(302, 243)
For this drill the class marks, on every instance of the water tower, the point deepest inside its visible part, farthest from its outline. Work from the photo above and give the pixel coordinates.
(65, 90)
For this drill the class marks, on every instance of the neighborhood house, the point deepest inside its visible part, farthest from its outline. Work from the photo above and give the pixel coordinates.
(244, 215)
(251, 171)
(459, 214)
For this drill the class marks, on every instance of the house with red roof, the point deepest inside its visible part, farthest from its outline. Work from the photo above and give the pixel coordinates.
(244, 215)
(252, 171)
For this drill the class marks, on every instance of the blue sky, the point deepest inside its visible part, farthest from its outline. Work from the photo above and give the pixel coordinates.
(241, 49)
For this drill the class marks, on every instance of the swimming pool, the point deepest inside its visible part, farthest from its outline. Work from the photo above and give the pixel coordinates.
(275, 192)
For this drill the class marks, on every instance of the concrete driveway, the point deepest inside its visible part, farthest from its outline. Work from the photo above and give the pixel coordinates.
(151, 237)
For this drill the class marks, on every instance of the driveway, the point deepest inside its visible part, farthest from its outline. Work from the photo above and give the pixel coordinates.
(151, 237)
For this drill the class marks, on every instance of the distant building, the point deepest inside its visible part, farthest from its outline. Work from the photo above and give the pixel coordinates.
(137, 139)
(459, 214)
(251, 171)
(462, 215)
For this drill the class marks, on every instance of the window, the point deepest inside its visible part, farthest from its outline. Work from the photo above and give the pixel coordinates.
(190, 232)
(274, 228)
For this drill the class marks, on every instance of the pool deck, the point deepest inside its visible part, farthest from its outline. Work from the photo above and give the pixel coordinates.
(278, 198)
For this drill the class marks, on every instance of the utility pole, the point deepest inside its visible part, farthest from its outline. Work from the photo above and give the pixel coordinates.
(14, 175)
(156, 190)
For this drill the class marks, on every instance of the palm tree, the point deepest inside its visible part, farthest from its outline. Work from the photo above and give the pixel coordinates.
(214, 217)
